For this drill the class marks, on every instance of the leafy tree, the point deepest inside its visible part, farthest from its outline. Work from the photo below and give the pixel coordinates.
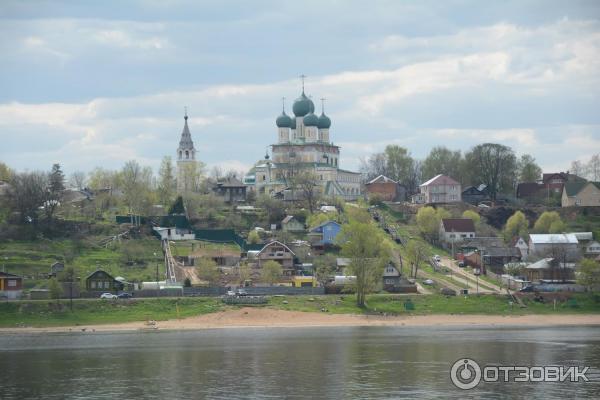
(527, 169)
(320, 218)
(6, 173)
(54, 191)
(55, 289)
(253, 237)
(324, 268)
(493, 164)
(137, 182)
(400, 165)
(472, 215)
(208, 271)
(244, 272)
(428, 221)
(516, 225)
(190, 177)
(589, 274)
(416, 253)
(271, 271)
(27, 192)
(442, 160)
(166, 181)
(548, 222)
(274, 208)
(368, 251)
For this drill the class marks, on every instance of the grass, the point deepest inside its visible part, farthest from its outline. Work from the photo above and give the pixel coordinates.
(95, 311)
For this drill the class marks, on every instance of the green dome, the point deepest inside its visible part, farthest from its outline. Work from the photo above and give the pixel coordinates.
(283, 121)
(311, 120)
(324, 121)
(293, 123)
(302, 106)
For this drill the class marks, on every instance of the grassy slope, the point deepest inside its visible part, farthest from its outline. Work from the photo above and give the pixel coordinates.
(95, 311)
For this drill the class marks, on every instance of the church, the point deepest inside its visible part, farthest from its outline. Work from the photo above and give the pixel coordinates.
(303, 144)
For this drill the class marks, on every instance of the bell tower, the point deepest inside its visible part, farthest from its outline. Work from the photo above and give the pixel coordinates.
(186, 154)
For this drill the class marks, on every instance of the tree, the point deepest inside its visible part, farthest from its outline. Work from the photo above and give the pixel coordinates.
(593, 168)
(527, 169)
(55, 289)
(137, 182)
(416, 253)
(27, 192)
(271, 272)
(253, 237)
(77, 179)
(274, 208)
(428, 221)
(324, 268)
(190, 177)
(577, 168)
(589, 274)
(400, 165)
(244, 272)
(54, 191)
(494, 165)
(549, 222)
(6, 173)
(177, 207)
(474, 216)
(368, 251)
(208, 271)
(166, 182)
(306, 183)
(442, 160)
(516, 226)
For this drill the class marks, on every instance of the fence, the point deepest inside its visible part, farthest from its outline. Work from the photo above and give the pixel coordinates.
(255, 291)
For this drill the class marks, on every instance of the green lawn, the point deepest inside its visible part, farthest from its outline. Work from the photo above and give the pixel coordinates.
(95, 311)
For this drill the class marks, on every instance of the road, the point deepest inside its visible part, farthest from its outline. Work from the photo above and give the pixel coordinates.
(461, 275)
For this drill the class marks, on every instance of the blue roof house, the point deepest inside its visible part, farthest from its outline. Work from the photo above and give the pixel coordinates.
(326, 233)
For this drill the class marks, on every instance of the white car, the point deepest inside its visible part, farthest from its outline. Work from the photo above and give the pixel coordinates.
(108, 296)
(230, 293)
(428, 282)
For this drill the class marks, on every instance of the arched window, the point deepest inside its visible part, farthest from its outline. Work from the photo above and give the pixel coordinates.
(187, 154)
(180, 154)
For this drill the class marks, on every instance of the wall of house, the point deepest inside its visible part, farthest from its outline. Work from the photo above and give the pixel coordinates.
(387, 191)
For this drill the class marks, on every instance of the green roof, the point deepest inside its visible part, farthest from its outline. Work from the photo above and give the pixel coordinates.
(573, 188)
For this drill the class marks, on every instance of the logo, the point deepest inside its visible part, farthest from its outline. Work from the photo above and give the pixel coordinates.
(465, 374)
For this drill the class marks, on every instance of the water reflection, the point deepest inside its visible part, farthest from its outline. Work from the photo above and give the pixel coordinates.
(374, 362)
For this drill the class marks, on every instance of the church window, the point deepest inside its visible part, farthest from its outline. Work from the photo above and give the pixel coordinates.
(187, 154)
(180, 154)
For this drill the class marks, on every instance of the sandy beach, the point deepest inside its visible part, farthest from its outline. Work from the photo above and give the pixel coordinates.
(266, 318)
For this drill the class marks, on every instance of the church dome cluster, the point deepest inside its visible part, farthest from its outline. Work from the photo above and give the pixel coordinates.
(304, 108)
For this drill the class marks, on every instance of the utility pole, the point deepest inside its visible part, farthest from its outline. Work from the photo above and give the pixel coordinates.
(157, 284)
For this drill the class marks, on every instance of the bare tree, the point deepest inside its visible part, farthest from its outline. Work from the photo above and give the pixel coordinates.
(77, 179)
(27, 193)
(306, 183)
(493, 164)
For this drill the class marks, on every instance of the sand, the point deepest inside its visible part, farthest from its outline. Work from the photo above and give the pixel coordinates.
(266, 318)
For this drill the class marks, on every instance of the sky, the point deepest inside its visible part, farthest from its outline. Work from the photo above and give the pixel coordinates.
(95, 84)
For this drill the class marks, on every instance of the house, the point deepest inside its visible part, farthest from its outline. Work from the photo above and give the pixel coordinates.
(56, 268)
(441, 189)
(550, 269)
(559, 245)
(455, 230)
(174, 233)
(325, 234)
(592, 249)
(231, 190)
(11, 286)
(279, 252)
(475, 194)
(418, 198)
(554, 182)
(291, 224)
(386, 189)
(581, 194)
(531, 192)
(522, 246)
(496, 257)
(102, 281)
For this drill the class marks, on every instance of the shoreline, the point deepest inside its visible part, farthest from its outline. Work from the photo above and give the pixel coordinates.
(248, 317)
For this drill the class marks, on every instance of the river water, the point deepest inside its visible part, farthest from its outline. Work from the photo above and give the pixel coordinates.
(313, 363)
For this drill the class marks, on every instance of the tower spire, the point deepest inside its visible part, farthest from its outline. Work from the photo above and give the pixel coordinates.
(323, 105)
(185, 116)
(283, 104)
(302, 77)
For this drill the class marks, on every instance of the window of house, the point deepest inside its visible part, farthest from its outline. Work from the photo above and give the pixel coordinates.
(452, 235)
(93, 284)
(12, 283)
(389, 281)
(463, 235)
(106, 284)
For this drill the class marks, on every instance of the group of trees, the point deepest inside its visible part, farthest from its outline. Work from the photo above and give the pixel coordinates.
(493, 164)
(518, 225)
(589, 170)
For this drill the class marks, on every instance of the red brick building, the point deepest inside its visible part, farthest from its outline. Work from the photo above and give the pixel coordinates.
(386, 189)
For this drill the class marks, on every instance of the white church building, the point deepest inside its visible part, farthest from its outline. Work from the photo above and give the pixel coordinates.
(304, 143)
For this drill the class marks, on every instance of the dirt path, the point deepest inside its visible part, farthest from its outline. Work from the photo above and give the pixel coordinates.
(472, 279)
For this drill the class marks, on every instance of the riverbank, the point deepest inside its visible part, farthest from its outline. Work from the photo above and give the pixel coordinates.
(329, 310)
(270, 318)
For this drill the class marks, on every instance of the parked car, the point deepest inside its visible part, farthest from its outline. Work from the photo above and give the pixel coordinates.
(528, 288)
(124, 295)
(230, 293)
(448, 292)
(108, 296)
(428, 282)
(241, 292)
(461, 264)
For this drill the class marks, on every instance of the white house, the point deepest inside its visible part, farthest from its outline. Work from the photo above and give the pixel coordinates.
(592, 249)
(174, 233)
(441, 189)
(456, 230)
(557, 245)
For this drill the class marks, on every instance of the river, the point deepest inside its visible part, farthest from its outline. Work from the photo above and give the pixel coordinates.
(313, 363)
